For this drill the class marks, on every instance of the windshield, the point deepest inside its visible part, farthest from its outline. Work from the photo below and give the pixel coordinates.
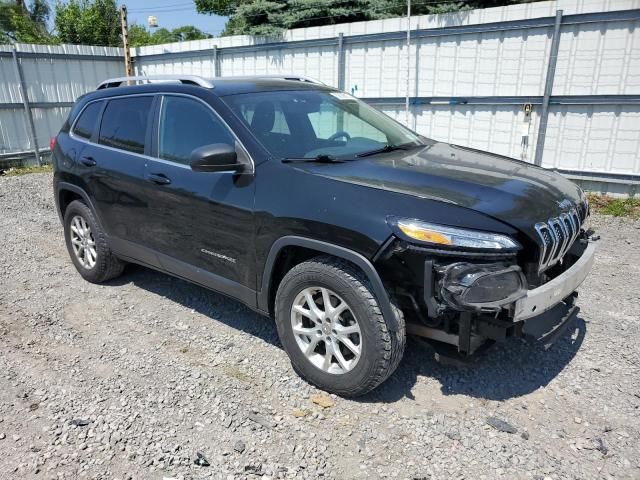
(317, 123)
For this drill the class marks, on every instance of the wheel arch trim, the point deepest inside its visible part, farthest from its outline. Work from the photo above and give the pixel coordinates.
(61, 186)
(331, 249)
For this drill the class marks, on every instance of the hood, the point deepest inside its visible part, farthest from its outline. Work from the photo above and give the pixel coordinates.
(509, 190)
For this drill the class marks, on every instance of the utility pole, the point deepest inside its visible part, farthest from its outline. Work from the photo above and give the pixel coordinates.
(406, 100)
(128, 65)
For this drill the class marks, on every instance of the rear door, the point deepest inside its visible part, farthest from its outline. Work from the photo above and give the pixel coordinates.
(111, 161)
(112, 165)
(199, 222)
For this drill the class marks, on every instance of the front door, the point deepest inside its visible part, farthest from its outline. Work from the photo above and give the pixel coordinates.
(199, 223)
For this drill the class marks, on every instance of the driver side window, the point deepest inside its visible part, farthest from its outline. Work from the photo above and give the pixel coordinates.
(330, 119)
(186, 124)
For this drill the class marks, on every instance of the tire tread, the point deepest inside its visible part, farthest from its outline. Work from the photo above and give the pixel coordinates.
(109, 266)
(392, 344)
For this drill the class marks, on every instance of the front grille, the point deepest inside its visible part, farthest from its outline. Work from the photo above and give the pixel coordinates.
(557, 235)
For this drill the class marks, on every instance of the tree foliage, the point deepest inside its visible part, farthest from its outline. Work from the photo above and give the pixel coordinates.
(86, 22)
(139, 35)
(269, 17)
(24, 24)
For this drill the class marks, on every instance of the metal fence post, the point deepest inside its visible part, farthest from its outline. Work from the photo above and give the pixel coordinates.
(341, 69)
(216, 62)
(25, 102)
(548, 87)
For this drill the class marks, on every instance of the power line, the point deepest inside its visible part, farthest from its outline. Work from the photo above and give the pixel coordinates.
(163, 8)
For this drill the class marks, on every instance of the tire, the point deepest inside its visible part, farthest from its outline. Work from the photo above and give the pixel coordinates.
(380, 350)
(95, 269)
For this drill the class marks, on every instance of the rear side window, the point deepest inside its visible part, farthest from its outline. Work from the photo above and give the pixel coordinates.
(124, 123)
(87, 121)
(185, 125)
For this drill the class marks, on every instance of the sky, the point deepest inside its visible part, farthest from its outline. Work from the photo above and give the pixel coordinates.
(172, 14)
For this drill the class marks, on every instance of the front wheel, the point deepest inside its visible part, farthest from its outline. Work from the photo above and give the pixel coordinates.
(331, 326)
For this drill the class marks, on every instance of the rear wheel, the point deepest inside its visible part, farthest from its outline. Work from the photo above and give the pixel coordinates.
(87, 245)
(332, 328)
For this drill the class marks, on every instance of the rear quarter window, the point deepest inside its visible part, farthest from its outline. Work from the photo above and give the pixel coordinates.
(87, 120)
(124, 123)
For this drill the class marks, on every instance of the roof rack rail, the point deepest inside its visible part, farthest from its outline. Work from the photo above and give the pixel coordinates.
(186, 79)
(297, 78)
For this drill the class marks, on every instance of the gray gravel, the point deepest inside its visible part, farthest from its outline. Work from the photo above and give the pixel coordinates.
(150, 377)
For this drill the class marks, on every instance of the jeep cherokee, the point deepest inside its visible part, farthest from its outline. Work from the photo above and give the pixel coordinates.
(314, 208)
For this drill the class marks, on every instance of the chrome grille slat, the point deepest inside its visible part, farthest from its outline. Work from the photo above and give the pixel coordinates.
(563, 238)
(557, 235)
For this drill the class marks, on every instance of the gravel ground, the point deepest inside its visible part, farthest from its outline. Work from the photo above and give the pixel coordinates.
(150, 377)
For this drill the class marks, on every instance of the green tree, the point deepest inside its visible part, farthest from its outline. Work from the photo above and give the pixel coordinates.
(188, 32)
(39, 13)
(269, 17)
(87, 22)
(139, 35)
(24, 24)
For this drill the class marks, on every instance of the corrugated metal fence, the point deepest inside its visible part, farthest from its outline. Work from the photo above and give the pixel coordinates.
(472, 78)
(38, 85)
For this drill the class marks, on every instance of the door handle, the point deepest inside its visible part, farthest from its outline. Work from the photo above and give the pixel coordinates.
(88, 161)
(158, 178)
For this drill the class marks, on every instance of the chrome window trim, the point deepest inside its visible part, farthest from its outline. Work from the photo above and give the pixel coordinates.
(217, 115)
(149, 157)
(89, 142)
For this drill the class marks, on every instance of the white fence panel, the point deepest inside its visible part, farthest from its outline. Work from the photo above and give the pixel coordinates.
(470, 75)
(599, 59)
(597, 138)
(54, 77)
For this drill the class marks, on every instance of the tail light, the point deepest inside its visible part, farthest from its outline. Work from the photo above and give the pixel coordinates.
(52, 143)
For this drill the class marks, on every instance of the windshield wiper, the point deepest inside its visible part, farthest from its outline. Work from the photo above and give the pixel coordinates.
(322, 158)
(387, 148)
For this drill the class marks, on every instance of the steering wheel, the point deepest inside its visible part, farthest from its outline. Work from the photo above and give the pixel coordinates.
(339, 134)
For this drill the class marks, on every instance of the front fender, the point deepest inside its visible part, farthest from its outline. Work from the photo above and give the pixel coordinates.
(337, 251)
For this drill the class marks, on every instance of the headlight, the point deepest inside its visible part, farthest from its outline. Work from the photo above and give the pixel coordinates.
(466, 285)
(452, 237)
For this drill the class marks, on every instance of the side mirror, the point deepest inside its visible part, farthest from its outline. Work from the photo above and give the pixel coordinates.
(217, 157)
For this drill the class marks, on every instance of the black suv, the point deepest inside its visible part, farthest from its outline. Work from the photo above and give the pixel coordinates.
(311, 207)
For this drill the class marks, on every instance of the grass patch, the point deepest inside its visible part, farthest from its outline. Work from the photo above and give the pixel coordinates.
(617, 207)
(15, 171)
(236, 373)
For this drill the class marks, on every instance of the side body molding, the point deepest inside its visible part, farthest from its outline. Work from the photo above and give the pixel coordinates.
(354, 257)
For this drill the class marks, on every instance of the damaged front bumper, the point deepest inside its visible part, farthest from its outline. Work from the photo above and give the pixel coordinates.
(541, 299)
(468, 303)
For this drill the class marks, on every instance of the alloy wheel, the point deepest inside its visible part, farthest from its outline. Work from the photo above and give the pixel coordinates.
(326, 330)
(83, 242)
